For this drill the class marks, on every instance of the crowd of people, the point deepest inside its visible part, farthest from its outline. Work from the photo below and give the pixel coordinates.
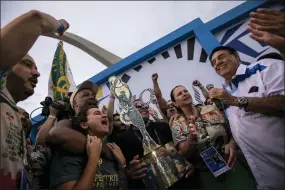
(244, 121)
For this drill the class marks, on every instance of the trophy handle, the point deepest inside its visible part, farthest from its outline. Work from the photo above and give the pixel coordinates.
(124, 117)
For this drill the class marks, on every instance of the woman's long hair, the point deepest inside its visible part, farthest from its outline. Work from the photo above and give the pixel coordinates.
(173, 99)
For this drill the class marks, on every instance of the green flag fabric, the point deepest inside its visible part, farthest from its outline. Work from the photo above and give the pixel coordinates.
(61, 81)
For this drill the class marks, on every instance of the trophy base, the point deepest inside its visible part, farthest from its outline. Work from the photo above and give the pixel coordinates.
(165, 167)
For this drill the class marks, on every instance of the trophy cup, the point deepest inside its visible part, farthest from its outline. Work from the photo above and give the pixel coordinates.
(165, 165)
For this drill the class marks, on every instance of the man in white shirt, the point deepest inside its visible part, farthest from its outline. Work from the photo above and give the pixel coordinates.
(254, 99)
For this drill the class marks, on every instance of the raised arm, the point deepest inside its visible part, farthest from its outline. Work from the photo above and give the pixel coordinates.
(110, 112)
(157, 92)
(268, 26)
(202, 88)
(63, 135)
(19, 36)
(42, 134)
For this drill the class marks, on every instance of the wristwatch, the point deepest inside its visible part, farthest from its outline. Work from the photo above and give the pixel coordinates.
(242, 102)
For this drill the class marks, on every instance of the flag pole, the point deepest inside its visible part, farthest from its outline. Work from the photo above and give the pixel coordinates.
(60, 42)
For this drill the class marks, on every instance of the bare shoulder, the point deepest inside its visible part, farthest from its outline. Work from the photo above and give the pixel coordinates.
(64, 123)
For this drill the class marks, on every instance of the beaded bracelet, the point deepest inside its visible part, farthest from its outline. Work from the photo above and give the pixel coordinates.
(60, 29)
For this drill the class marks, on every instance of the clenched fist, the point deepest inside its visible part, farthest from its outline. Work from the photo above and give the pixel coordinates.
(154, 77)
(65, 26)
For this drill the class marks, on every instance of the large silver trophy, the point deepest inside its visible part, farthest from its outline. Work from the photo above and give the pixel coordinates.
(165, 165)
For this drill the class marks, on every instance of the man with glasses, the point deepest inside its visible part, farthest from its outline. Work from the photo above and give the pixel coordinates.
(130, 143)
(130, 140)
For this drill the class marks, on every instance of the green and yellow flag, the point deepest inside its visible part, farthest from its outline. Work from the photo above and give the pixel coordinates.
(61, 81)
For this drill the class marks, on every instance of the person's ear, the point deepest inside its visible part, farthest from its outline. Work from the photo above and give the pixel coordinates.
(237, 56)
(83, 125)
(74, 103)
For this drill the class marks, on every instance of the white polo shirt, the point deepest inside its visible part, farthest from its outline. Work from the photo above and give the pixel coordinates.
(260, 137)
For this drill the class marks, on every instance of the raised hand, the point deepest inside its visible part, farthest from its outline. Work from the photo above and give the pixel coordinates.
(269, 38)
(196, 83)
(65, 27)
(268, 26)
(268, 20)
(54, 111)
(154, 77)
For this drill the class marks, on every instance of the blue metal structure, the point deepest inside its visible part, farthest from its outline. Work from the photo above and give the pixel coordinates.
(203, 32)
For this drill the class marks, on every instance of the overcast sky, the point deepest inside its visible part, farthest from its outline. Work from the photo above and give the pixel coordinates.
(120, 27)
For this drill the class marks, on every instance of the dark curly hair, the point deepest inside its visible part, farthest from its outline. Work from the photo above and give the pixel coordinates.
(81, 117)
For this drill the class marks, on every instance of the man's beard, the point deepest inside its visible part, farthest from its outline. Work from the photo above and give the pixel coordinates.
(28, 93)
(22, 92)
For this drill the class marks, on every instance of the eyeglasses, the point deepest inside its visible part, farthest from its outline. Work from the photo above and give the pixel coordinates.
(170, 106)
(142, 106)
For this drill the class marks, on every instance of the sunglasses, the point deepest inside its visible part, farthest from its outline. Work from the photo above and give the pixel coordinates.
(142, 106)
